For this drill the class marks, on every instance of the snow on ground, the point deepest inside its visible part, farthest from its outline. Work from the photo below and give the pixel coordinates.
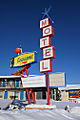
(56, 114)
(5, 103)
(75, 110)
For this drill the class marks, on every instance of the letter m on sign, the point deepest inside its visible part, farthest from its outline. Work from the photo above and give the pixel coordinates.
(44, 23)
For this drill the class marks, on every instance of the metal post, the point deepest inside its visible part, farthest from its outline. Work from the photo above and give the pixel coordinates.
(26, 71)
(22, 71)
(28, 96)
(27, 90)
(48, 91)
(30, 88)
(33, 96)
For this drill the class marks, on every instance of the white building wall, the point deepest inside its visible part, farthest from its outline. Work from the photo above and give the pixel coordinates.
(64, 96)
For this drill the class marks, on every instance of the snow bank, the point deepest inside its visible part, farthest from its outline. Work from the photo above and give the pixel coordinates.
(5, 103)
(75, 110)
(56, 114)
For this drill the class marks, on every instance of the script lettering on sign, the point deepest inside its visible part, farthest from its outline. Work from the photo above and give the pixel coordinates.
(23, 59)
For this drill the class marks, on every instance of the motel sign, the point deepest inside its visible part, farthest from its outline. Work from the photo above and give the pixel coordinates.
(45, 45)
(48, 51)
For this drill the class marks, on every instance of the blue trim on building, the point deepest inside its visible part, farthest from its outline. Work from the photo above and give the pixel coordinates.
(3, 83)
(5, 94)
(17, 83)
(21, 95)
(26, 97)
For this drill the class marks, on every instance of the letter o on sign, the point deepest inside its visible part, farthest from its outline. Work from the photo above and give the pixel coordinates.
(48, 31)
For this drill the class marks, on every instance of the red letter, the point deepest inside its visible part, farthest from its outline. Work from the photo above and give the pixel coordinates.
(44, 41)
(43, 66)
(44, 23)
(47, 30)
(47, 52)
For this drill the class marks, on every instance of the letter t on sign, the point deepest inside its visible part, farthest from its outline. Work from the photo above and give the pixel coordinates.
(45, 42)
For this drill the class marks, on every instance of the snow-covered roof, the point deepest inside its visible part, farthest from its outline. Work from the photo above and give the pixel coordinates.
(70, 87)
(14, 76)
(10, 77)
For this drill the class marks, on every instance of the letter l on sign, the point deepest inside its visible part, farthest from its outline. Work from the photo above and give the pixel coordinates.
(46, 65)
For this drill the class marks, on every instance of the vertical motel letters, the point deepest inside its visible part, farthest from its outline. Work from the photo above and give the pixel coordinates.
(45, 44)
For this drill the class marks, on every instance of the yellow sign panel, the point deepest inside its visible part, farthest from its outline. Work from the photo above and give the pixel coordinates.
(23, 59)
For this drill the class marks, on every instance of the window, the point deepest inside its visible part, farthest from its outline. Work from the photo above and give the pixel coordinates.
(17, 94)
(1, 94)
(10, 83)
(14, 94)
(39, 95)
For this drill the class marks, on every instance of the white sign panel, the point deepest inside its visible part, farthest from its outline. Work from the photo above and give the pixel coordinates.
(45, 42)
(46, 65)
(44, 23)
(48, 52)
(57, 79)
(34, 82)
(48, 31)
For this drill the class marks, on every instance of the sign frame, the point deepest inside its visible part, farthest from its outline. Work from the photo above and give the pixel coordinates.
(43, 20)
(49, 42)
(53, 54)
(12, 60)
(75, 93)
(57, 74)
(51, 33)
(50, 66)
(31, 79)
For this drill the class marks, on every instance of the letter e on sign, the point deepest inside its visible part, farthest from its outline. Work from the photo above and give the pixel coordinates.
(44, 23)
(45, 65)
(49, 52)
(48, 31)
(45, 42)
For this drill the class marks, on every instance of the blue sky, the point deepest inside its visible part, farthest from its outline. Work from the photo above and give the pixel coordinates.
(19, 22)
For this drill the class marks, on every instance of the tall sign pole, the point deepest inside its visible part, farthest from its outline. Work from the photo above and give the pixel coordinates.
(48, 51)
(48, 91)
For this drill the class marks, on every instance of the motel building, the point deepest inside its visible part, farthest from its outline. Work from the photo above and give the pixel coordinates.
(14, 87)
(70, 93)
(11, 88)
